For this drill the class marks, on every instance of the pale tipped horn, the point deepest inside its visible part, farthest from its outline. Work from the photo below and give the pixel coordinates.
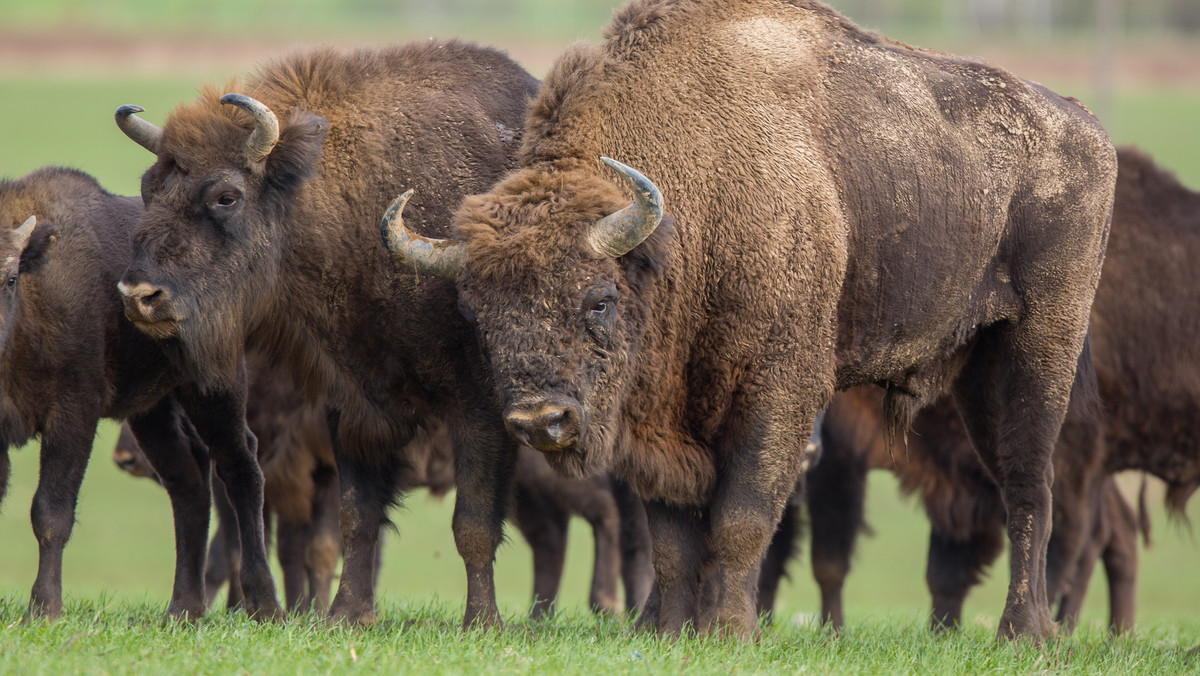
(143, 133)
(266, 126)
(21, 235)
(618, 233)
(443, 258)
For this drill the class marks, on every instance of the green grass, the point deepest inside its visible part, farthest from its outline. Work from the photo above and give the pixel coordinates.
(119, 638)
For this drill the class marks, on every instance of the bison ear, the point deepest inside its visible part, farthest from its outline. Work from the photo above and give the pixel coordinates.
(35, 253)
(295, 157)
(648, 260)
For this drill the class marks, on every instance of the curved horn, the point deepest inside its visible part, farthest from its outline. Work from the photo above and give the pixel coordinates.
(441, 257)
(266, 126)
(143, 133)
(616, 234)
(21, 234)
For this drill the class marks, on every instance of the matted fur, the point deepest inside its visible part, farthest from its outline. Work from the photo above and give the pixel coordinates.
(844, 210)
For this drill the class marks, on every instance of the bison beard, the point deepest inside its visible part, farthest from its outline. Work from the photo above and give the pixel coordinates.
(847, 210)
(261, 213)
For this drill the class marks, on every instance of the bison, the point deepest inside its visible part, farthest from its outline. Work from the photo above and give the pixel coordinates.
(815, 207)
(964, 507)
(258, 228)
(1143, 324)
(71, 358)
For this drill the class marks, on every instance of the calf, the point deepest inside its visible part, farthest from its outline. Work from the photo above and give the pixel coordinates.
(71, 358)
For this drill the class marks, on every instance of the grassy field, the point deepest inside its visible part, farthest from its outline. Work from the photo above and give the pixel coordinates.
(118, 566)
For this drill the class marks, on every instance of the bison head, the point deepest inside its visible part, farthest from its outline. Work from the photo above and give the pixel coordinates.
(557, 275)
(22, 253)
(206, 249)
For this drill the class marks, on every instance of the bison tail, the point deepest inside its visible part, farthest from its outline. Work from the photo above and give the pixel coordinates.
(1085, 402)
(1143, 514)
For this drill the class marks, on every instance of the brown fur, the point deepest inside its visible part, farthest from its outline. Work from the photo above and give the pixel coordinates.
(298, 268)
(843, 210)
(70, 358)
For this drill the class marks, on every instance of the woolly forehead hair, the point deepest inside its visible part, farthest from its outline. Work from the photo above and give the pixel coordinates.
(195, 127)
(536, 217)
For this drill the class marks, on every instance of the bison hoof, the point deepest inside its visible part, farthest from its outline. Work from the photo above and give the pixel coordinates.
(485, 620)
(268, 612)
(1036, 626)
(358, 616)
(42, 610)
(182, 611)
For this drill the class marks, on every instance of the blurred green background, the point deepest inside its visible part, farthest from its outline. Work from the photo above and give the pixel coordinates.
(65, 65)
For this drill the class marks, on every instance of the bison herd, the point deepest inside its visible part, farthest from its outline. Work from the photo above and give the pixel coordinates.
(625, 292)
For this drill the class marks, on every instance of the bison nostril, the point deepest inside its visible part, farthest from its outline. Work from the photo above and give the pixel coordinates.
(545, 425)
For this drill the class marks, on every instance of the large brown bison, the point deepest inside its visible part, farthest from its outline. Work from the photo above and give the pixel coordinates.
(964, 507)
(258, 227)
(843, 210)
(71, 358)
(1145, 320)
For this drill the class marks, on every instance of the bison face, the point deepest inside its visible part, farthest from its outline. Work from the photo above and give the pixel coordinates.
(206, 249)
(21, 255)
(559, 314)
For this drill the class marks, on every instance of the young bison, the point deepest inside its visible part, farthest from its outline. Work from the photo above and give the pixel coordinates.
(71, 358)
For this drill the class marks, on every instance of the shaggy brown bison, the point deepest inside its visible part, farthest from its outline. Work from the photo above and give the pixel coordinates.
(843, 210)
(71, 358)
(964, 507)
(257, 228)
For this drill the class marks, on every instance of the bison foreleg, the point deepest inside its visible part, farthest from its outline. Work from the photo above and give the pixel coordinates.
(485, 459)
(835, 491)
(637, 573)
(181, 461)
(544, 527)
(219, 418)
(679, 555)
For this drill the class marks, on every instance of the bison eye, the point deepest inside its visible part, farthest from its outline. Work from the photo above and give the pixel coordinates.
(227, 200)
(600, 315)
(12, 281)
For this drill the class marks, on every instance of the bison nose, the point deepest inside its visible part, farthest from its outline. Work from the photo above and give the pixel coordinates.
(144, 302)
(549, 425)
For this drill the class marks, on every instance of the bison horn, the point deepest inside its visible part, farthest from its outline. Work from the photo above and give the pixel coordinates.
(21, 235)
(143, 133)
(441, 257)
(266, 126)
(618, 233)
